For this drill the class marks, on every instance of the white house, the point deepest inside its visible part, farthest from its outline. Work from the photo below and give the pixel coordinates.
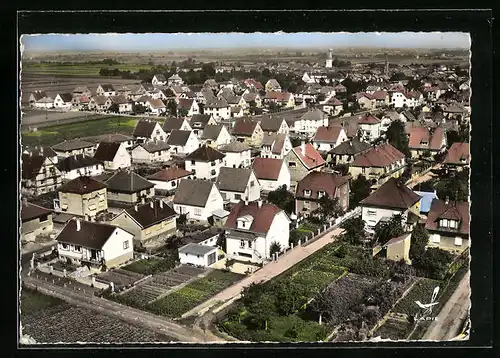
(159, 80)
(411, 99)
(252, 228)
(171, 124)
(327, 138)
(238, 155)
(145, 131)
(77, 165)
(198, 255)
(308, 123)
(151, 152)
(114, 155)
(106, 90)
(370, 127)
(175, 80)
(96, 244)
(63, 101)
(205, 162)
(275, 145)
(237, 184)
(169, 178)
(197, 198)
(74, 146)
(182, 142)
(392, 198)
(271, 173)
(156, 106)
(188, 106)
(216, 136)
(219, 109)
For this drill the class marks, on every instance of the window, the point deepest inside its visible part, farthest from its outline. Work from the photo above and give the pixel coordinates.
(307, 205)
(242, 244)
(292, 164)
(249, 244)
(64, 246)
(453, 224)
(197, 211)
(371, 212)
(96, 167)
(212, 164)
(436, 239)
(213, 172)
(444, 223)
(193, 162)
(237, 196)
(125, 245)
(307, 192)
(458, 241)
(321, 193)
(174, 184)
(78, 248)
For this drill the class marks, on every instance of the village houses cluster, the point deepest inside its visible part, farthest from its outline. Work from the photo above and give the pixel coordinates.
(216, 160)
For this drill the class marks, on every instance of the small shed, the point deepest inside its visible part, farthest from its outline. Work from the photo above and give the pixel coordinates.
(220, 217)
(398, 248)
(198, 255)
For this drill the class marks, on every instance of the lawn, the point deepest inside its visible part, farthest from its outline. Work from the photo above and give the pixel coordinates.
(151, 266)
(78, 69)
(34, 301)
(52, 135)
(188, 297)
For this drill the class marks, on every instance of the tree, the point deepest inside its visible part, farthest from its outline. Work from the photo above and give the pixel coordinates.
(290, 296)
(181, 220)
(354, 230)
(274, 248)
(397, 137)
(386, 230)
(172, 108)
(221, 241)
(360, 189)
(114, 108)
(138, 108)
(419, 240)
(434, 263)
(328, 208)
(169, 93)
(282, 198)
(455, 188)
(260, 302)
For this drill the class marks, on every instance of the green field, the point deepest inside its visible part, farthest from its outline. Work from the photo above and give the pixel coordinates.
(421, 291)
(52, 135)
(151, 266)
(34, 301)
(77, 69)
(181, 301)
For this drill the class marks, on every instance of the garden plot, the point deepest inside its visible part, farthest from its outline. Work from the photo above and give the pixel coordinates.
(120, 278)
(394, 328)
(69, 324)
(421, 291)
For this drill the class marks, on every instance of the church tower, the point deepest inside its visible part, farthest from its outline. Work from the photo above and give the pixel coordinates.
(329, 60)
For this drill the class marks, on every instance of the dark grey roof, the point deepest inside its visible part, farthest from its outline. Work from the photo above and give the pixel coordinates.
(91, 234)
(111, 137)
(235, 147)
(72, 144)
(211, 131)
(178, 137)
(196, 249)
(106, 151)
(218, 103)
(46, 152)
(172, 123)
(155, 146)
(124, 181)
(66, 97)
(199, 121)
(202, 235)
(205, 154)
(233, 179)
(76, 162)
(107, 87)
(147, 216)
(160, 77)
(144, 128)
(269, 124)
(351, 147)
(193, 192)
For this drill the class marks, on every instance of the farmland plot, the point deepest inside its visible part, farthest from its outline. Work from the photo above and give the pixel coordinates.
(120, 278)
(421, 291)
(394, 329)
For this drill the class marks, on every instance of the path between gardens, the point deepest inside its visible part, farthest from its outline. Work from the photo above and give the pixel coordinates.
(269, 271)
(451, 318)
(131, 315)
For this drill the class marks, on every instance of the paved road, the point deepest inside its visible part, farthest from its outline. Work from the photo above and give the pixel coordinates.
(147, 320)
(451, 318)
(269, 271)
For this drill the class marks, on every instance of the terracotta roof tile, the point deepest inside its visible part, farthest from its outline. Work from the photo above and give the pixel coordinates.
(422, 138)
(381, 156)
(452, 210)
(320, 181)
(310, 158)
(169, 174)
(328, 134)
(392, 194)
(267, 168)
(262, 217)
(456, 153)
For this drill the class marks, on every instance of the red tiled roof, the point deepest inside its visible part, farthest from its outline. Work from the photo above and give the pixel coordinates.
(252, 82)
(320, 181)
(262, 217)
(244, 126)
(185, 103)
(379, 95)
(456, 152)
(381, 156)
(421, 135)
(413, 94)
(392, 194)
(311, 158)
(369, 119)
(453, 210)
(278, 96)
(334, 101)
(327, 134)
(267, 168)
(169, 174)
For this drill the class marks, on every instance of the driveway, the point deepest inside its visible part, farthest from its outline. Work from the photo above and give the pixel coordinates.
(451, 318)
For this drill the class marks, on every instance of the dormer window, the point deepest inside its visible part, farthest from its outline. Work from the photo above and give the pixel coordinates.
(321, 193)
(244, 222)
(463, 159)
(443, 223)
(307, 192)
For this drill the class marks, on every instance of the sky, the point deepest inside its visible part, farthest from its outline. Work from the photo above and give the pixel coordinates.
(166, 42)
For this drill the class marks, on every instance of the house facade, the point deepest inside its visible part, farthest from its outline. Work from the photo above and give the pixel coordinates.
(198, 199)
(327, 138)
(271, 173)
(275, 145)
(151, 152)
(168, 179)
(236, 184)
(238, 155)
(39, 175)
(114, 155)
(205, 162)
(35, 221)
(128, 188)
(301, 161)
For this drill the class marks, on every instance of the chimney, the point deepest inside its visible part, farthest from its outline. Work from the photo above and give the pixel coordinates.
(303, 147)
(74, 155)
(78, 225)
(25, 202)
(136, 208)
(161, 204)
(41, 150)
(152, 204)
(246, 202)
(447, 200)
(259, 202)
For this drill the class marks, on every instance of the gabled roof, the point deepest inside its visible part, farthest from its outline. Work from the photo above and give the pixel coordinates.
(172, 123)
(369, 119)
(193, 192)
(422, 138)
(278, 96)
(169, 174)
(212, 131)
(160, 77)
(262, 217)
(456, 153)
(99, 100)
(81, 185)
(328, 134)
(72, 144)
(333, 101)
(144, 128)
(320, 181)
(91, 234)
(199, 120)
(234, 147)
(453, 210)
(66, 97)
(111, 137)
(233, 179)
(125, 181)
(275, 141)
(270, 124)
(106, 151)
(244, 126)
(120, 99)
(107, 87)
(185, 103)
(76, 162)
(46, 152)
(378, 157)
(351, 147)
(147, 216)
(154, 146)
(156, 103)
(31, 211)
(205, 153)
(31, 165)
(39, 95)
(392, 194)
(397, 239)
(178, 137)
(216, 103)
(310, 158)
(267, 168)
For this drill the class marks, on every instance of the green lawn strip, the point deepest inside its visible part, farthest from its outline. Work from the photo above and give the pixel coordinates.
(78, 69)
(421, 291)
(33, 301)
(151, 266)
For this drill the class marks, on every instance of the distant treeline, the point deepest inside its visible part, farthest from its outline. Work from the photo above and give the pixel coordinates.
(106, 61)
